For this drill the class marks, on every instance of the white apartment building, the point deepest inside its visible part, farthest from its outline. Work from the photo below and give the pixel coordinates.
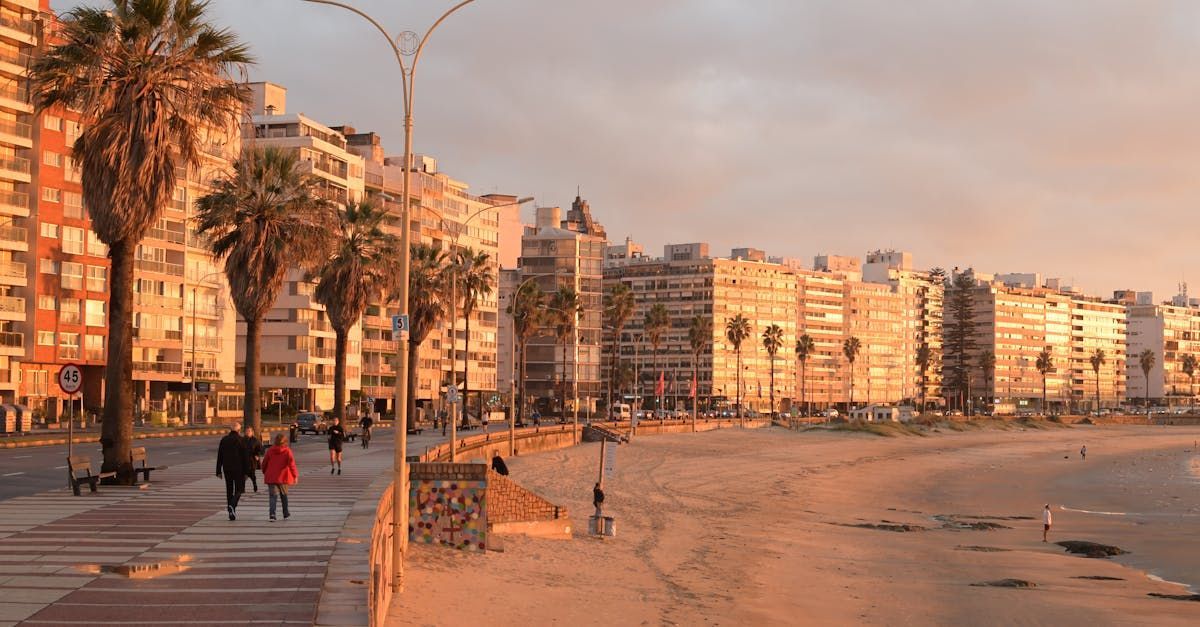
(1170, 332)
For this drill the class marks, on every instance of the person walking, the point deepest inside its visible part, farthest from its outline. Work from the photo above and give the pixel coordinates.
(598, 500)
(279, 471)
(337, 435)
(365, 425)
(498, 465)
(254, 453)
(1047, 520)
(231, 464)
(1083, 452)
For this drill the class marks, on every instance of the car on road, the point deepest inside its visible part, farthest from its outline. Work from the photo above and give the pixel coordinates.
(311, 422)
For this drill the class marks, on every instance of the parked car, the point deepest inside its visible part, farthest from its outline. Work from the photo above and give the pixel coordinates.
(311, 422)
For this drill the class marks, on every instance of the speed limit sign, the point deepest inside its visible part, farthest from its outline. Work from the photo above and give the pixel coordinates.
(70, 379)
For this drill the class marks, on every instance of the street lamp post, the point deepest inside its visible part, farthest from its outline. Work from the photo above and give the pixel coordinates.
(402, 46)
(195, 288)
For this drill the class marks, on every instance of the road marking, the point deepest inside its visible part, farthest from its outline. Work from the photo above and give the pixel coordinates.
(60, 467)
(172, 452)
(23, 456)
(13, 474)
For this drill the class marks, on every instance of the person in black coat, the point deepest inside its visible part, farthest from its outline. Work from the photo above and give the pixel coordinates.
(498, 465)
(254, 453)
(232, 460)
(598, 500)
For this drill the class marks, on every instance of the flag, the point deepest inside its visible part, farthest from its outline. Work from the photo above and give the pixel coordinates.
(662, 385)
(692, 394)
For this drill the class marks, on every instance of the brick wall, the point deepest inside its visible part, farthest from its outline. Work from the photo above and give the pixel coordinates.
(509, 502)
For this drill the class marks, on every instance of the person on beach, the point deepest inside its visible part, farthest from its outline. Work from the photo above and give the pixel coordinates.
(1047, 520)
(1083, 452)
(254, 453)
(498, 465)
(337, 435)
(231, 464)
(598, 500)
(279, 471)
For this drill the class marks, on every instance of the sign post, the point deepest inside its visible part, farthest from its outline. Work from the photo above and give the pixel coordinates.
(70, 379)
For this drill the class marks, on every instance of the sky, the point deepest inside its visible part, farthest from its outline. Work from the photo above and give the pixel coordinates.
(1009, 135)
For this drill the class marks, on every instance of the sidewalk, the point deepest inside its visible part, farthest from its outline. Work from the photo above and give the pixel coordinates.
(65, 560)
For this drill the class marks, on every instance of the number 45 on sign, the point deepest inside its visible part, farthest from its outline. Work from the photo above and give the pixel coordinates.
(70, 379)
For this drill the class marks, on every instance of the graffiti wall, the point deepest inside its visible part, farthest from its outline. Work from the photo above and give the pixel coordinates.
(448, 505)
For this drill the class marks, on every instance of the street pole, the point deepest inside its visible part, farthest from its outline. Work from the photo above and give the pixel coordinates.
(195, 293)
(575, 362)
(399, 459)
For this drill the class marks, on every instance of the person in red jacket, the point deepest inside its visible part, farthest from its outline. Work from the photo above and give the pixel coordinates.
(279, 472)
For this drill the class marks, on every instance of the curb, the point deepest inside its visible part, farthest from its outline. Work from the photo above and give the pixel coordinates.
(95, 438)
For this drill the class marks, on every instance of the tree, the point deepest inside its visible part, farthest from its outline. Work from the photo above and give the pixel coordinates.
(656, 322)
(528, 316)
(476, 278)
(737, 330)
(805, 347)
(262, 220)
(851, 346)
(1146, 360)
(987, 363)
(562, 311)
(1098, 360)
(428, 278)
(618, 309)
(151, 80)
(1188, 366)
(1045, 365)
(699, 337)
(924, 355)
(360, 267)
(772, 340)
(959, 334)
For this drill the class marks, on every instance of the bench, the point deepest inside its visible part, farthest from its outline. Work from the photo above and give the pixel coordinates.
(81, 464)
(139, 455)
(350, 435)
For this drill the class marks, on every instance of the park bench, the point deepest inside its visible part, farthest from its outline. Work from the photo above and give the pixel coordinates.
(137, 459)
(81, 464)
(414, 429)
(351, 435)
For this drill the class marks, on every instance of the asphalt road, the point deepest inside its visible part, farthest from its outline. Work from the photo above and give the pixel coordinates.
(35, 469)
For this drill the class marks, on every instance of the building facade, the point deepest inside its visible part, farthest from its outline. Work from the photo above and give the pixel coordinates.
(1169, 332)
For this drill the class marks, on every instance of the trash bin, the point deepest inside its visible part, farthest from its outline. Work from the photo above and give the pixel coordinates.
(293, 434)
(602, 526)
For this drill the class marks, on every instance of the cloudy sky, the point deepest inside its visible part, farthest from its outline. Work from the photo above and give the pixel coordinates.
(1012, 135)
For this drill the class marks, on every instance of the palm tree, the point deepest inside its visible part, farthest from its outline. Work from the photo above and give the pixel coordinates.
(987, 363)
(428, 276)
(655, 323)
(804, 349)
(1146, 361)
(262, 220)
(699, 336)
(1189, 368)
(476, 278)
(850, 348)
(618, 309)
(562, 311)
(924, 356)
(526, 309)
(1045, 365)
(1098, 360)
(737, 330)
(772, 340)
(360, 267)
(150, 80)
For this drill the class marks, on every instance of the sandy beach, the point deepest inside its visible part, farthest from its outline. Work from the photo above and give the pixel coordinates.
(760, 527)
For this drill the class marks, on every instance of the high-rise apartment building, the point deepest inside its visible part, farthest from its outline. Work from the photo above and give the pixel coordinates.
(298, 342)
(1169, 332)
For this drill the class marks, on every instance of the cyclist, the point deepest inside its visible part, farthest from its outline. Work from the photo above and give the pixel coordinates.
(365, 425)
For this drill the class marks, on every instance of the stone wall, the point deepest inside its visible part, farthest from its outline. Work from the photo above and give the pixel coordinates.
(509, 502)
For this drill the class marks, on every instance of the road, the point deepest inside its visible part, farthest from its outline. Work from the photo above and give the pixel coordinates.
(35, 469)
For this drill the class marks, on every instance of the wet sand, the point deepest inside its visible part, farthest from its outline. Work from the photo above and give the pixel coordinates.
(758, 528)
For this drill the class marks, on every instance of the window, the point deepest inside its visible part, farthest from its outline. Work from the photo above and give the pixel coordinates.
(47, 302)
(48, 266)
(97, 276)
(94, 347)
(45, 338)
(95, 247)
(50, 230)
(95, 313)
(72, 240)
(72, 172)
(72, 275)
(72, 205)
(52, 158)
(52, 123)
(68, 311)
(68, 345)
(51, 194)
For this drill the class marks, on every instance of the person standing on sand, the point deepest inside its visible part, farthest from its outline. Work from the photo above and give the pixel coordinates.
(1047, 520)
(598, 500)
(1083, 452)
(498, 465)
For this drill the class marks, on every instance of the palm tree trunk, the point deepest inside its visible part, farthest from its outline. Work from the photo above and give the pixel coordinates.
(339, 375)
(250, 404)
(738, 396)
(562, 386)
(695, 389)
(466, 397)
(804, 386)
(520, 400)
(1044, 395)
(1097, 393)
(612, 372)
(851, 405)
(116, 430)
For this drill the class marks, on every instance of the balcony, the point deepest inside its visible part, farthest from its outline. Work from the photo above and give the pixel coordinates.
(205, 374)
(18, 133)
(317, 325)
(161, 267)
(170, 335)
(158, 300)
(160, 367)
(13, 273)
(15, 168)
(68, 352)
(12, 343)
(14, 238)
(15, 95)
(205, 344)
(320, 378)
(12, 308)
(18, 29)
(174, 237)
(14, 203)
(322, 352)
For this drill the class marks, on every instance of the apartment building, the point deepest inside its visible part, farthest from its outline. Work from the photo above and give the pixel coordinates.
(506, 373)
(921, 301)
(298, 343)
(1170, 331)
(690, 283)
